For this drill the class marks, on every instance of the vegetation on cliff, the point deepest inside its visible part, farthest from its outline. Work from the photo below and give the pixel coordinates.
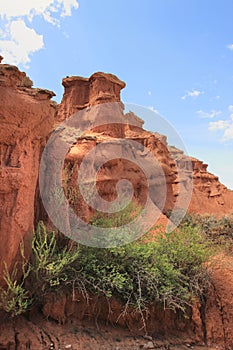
(169, 270)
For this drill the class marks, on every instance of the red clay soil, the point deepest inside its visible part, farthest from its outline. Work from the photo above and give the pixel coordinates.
(40, 334)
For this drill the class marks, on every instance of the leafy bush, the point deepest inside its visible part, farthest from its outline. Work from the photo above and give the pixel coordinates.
(217, 231)
(50, 262)
(15, 299)
(168, 270)
(46, 271)
(120, 220)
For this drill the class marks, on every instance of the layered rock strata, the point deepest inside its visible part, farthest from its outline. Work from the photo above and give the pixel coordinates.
(26, 117)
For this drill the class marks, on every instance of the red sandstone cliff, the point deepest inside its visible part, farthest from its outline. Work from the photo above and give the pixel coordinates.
(105, 88)
(26, 117)
(209, 195)
(213, 321)
(80, 93)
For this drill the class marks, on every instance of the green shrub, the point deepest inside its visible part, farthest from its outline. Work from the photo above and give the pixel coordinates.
(47, 270)
(14, 298)
(169, 270)
(218, 231)
(118, 220)
(50, 261)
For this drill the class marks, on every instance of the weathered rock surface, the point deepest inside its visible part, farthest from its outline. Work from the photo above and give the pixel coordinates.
(219, 306)
(105, 88)
(209, 195)
(85, 92)
(177, 168)
(26, 117)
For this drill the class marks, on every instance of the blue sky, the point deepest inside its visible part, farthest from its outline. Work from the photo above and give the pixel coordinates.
(176, 56)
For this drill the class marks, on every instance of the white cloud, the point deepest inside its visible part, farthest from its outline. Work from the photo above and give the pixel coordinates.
(219, 125)
(230, 47)
(149, 93)
(27, 8)
(192, 93)
(230, 108)
(67, 7)
(24, 41)
(212, 114)
(19, 40)
(228, 134)
(223, 125)
(153, 109)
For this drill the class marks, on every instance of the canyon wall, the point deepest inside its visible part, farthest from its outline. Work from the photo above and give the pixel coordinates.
(209, 195)
(177, 168)
(26, 117)
(102, 88)
(210, 321)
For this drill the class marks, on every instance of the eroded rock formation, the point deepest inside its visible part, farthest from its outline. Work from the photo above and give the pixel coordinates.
(209, 195)
(219, 307)
(178, 169)
(210, 322)
(102, 88)
(26, 117)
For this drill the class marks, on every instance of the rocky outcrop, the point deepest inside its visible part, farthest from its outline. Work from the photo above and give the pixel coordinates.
(27, 117)
(85, 92)
(104, 88)
(118, 169)
(178, 169)
(209, 195)
(210, 320)
(218, 305)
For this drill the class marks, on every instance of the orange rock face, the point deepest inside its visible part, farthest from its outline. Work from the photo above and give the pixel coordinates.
(105, 89)
(27, 117)
(83, 92)
(178, 168)
(209, 195)
(219, 307)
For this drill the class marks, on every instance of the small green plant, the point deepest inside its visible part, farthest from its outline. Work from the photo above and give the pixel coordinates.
(218, 231)
(47, 270)
(118, 221)
(14, 298)
(50, 263)
(169, 270)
